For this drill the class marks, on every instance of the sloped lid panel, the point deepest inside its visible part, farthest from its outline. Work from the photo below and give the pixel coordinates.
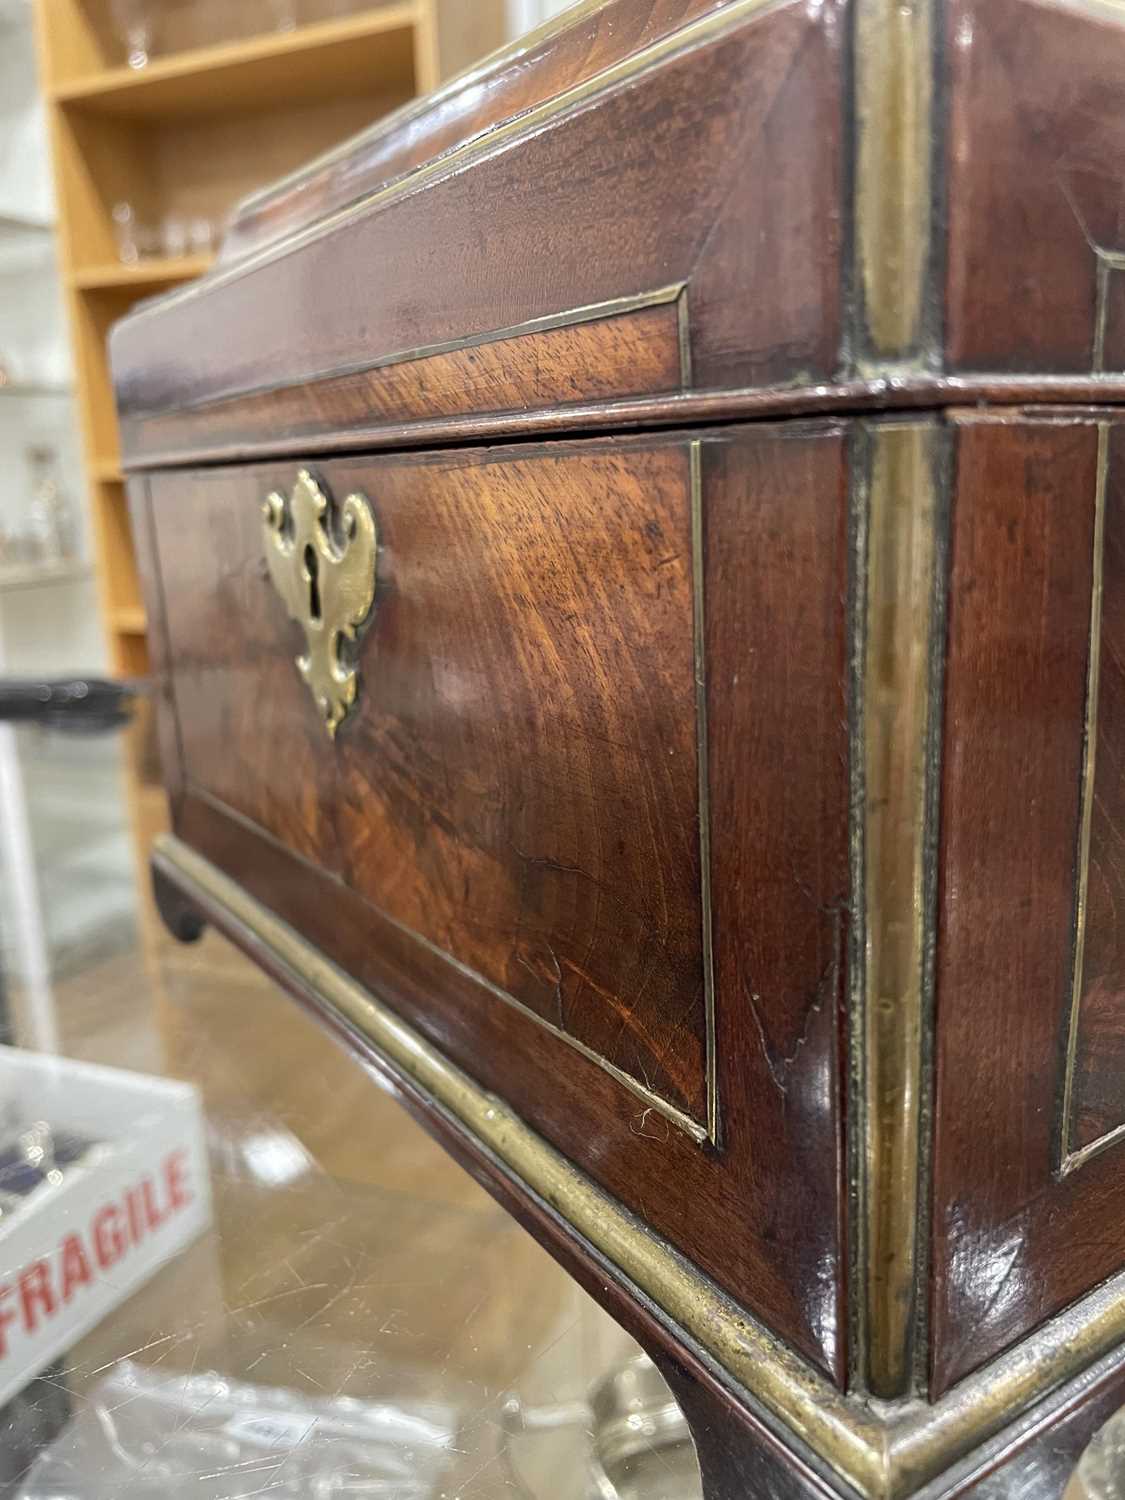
(670, 224)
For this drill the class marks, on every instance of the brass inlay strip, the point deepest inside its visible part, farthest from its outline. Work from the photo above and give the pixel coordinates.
(893, 175)
(1069, 1159)
(783, 1383)
(683, 316)
(570, 317)
(884, 1453)
(474, 75)
(654, 1101)
(703, 762)
(1101, 313)
(901, 518)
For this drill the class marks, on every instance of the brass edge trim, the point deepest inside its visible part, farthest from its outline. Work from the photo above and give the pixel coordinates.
(691, 1127)
(1101, 312)
(1068, 1160)
(703, 769)
(850, 1439)
(508, 52)
(893, 209)
(976, 398)
(1075, 1159)
(683, 315)
(960, 1477)
(858, 475)
(884, 1451)
(571, 317)
(901, 555)
(709, 27)
(943, 479)
(1102, 10)
(925, 1440)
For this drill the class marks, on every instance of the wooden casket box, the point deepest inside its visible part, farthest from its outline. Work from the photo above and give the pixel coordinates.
(634, 550)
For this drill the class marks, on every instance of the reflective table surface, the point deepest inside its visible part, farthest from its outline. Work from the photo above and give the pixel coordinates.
(359, 1318)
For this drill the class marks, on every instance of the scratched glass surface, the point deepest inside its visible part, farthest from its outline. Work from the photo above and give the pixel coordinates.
(348, 1315)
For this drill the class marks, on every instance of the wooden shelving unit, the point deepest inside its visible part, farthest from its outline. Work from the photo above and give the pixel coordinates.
(158, 270)
(206, 121)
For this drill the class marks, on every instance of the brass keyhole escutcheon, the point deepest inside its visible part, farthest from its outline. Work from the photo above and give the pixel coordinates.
(326, 586)
(311, 568)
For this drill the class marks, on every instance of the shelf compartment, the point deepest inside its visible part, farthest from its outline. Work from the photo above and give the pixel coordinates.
(20, 225)
(190, 168)
(156, 271)
(37, 575)
(33, 390)
(366, 53)
(128, 620)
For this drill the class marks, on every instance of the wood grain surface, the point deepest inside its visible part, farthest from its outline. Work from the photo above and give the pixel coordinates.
(1098, 1083)
(520, 788)
(1013, 1243)
(662, 183)
(635, 352)
(518, 783)
(530, 73)
(1034, 147)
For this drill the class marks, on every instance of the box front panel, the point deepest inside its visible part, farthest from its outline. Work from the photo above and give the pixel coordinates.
(518, 781)
(586, 820)
(1030, 977)
(1034, 146)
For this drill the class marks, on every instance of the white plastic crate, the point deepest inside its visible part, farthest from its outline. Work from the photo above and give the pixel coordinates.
(76, 1249)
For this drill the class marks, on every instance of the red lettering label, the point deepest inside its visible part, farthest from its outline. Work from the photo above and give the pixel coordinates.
(109, 1236)
(134, 1210)
(153, 1217)
(7, 1318)
(36, 1294)
(75, 1270)
(175, 1179)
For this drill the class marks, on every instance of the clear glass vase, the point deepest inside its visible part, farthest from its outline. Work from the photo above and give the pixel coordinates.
(51, 519)
(135, 21)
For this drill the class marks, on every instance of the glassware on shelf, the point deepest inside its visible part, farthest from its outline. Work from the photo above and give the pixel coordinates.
(200, 235)
(284, 14)
(51, 518)
(135, 21)
(136, 240)
(191, 235)
(125, 231)
(174, 235)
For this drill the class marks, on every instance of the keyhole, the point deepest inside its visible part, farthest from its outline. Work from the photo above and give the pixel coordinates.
(311, 566)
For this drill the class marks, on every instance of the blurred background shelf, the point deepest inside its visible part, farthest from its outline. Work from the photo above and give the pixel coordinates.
(33, 390)
(130, 620)
(36, 575)
(160, 269)
(226, 103)
(23, 225)
(313, 63)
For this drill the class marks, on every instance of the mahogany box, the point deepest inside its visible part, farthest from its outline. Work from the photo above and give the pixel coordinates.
(634, 551)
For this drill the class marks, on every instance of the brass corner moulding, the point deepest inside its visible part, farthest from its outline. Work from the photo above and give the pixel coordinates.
(1068, 1155)
(900, 462)
(880, 1450)
(327, 587)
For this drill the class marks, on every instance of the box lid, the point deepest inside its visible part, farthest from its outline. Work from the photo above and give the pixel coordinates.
(662, 211)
